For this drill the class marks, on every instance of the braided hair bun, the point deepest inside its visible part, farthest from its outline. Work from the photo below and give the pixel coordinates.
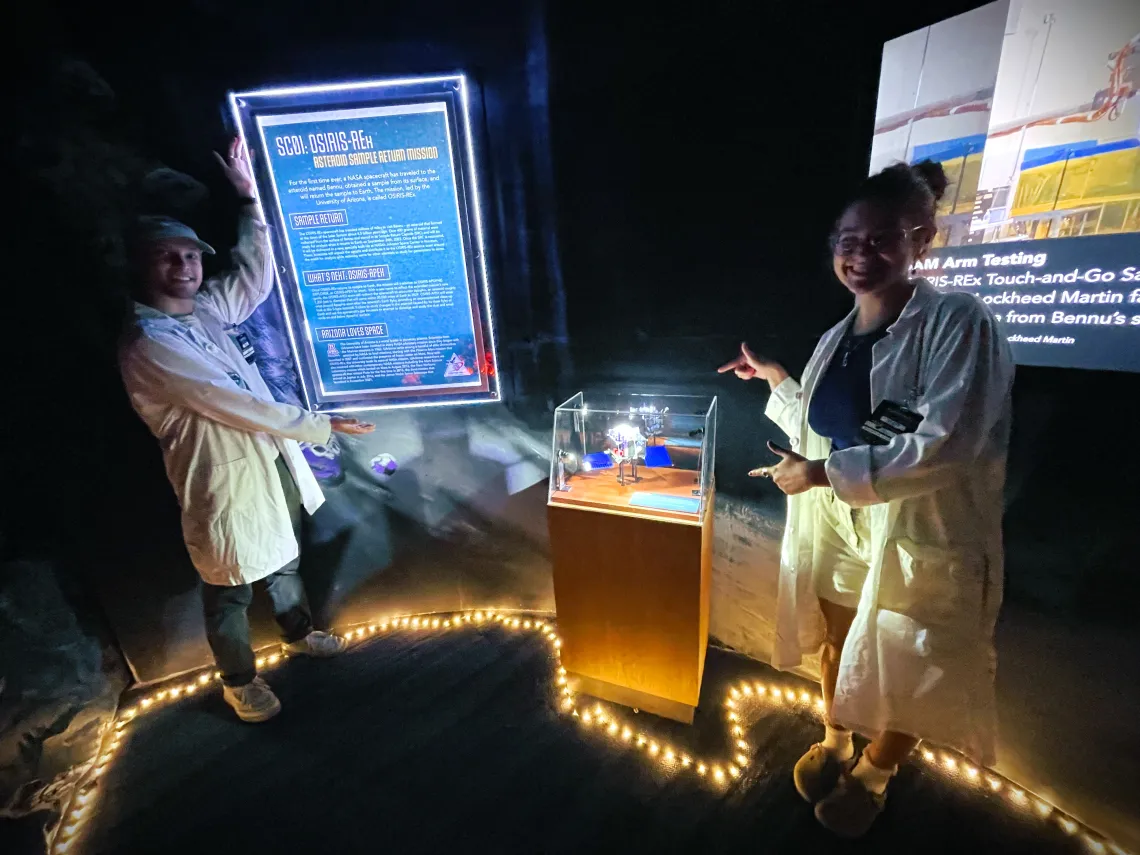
(933, 176)
(911, 191)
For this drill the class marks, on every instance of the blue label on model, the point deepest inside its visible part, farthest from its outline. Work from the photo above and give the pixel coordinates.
(372, 225)
(666, 502)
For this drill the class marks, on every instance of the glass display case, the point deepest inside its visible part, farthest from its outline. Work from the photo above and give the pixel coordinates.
(638, 455)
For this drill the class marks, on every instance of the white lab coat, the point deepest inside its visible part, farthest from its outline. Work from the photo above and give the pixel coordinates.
(919, 658)
(221, 440)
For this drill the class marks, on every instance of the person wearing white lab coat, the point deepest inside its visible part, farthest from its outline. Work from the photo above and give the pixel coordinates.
(891, 563)
(231, 450)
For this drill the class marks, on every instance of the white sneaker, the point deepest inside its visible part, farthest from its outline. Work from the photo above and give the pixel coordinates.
(252, 702)
(319, 644)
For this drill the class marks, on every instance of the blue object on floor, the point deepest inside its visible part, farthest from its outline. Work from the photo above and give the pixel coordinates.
(598, 460)
(657, 455)
(664, 502)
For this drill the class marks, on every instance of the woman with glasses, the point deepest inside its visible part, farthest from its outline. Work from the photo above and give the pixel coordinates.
(891, 564)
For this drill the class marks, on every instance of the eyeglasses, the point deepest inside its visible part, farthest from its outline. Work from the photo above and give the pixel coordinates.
(849, 243)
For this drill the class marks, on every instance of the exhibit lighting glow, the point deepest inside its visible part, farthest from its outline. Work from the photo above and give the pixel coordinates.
(724, 774)
(349, 86)
(478, 214)
(626, 432)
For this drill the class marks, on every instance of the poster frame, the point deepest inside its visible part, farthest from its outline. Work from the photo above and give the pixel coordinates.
(454, 91)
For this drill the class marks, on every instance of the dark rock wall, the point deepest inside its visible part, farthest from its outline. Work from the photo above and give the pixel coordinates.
(60, 679)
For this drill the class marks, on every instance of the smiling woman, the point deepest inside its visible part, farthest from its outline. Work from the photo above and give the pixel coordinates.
(898, 435)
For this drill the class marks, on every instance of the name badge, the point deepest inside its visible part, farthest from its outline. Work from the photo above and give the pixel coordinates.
(887, 422)
(243, 344)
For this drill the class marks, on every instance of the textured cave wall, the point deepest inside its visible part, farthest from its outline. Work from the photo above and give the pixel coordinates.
(60, 672)
(60, 679)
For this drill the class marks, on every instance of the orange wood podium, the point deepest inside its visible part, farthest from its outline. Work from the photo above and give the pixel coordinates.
(631, 587)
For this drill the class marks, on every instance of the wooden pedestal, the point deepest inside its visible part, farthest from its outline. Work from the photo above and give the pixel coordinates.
(632, 594)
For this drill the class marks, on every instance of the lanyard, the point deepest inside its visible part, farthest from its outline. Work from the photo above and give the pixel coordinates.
(188, 333)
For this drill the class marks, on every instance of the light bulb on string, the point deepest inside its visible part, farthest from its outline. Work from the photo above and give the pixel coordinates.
(959, 767)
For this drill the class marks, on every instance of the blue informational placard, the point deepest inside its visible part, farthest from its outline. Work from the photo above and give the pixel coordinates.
(370, 189)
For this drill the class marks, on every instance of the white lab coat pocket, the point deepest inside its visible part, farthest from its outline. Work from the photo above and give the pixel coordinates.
(907, 669)
(934, 585)
(217, 525)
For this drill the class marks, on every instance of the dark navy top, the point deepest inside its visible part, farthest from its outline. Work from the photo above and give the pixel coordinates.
(841, 401)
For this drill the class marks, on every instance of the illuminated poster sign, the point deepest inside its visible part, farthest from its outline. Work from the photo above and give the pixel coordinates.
(370, 190)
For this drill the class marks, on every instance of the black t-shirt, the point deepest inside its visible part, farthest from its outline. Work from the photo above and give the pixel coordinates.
(841, 401)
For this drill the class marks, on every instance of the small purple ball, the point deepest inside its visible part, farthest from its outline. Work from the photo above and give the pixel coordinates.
(384, 464)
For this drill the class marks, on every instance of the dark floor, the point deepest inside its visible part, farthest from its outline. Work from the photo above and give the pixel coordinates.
(450, 743)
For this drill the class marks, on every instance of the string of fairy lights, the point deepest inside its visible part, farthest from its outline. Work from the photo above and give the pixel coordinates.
(743, 702)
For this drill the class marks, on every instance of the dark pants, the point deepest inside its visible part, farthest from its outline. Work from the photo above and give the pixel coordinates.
(226, 606)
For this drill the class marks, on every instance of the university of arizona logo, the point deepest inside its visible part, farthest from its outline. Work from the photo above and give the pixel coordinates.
(457, 367)
(333, 351)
